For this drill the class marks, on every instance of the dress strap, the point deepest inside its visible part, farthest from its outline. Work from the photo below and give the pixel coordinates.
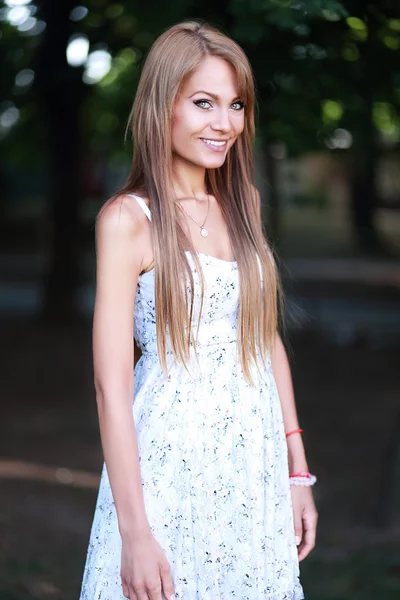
(142, 204)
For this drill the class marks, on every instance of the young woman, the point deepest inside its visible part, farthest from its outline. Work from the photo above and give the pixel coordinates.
(195, 501)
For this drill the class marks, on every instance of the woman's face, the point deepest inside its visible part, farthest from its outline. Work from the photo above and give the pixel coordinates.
(208, 115)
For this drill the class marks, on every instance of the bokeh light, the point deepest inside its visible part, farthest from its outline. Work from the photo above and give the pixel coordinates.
(98, 64)
(341, 139)
(24, 78)
(78, 13)
(18, 15)
(17, 2)
(77, 50)
(9, 116)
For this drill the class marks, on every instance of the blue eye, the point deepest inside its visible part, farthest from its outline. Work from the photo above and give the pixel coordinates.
(199, 103)
(206, 104)
(239, 104)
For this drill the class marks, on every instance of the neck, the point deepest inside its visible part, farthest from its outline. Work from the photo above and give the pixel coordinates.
(188, 180)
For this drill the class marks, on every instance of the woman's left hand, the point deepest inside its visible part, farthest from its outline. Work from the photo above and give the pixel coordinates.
(305, 519)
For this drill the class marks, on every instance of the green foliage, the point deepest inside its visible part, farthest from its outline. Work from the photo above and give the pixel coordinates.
(315, 62)
(284, 14)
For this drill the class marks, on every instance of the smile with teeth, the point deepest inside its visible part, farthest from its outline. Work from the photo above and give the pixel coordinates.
(218, 144)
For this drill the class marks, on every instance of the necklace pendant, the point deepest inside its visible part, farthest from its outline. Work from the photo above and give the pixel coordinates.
(204, 232)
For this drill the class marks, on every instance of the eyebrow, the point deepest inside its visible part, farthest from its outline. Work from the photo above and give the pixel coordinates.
(215, 96)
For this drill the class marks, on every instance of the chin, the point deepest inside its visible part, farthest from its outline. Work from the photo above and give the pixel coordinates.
(214, 165)
(213, 162)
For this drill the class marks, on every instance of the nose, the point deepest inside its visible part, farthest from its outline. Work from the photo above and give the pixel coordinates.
(222, 121)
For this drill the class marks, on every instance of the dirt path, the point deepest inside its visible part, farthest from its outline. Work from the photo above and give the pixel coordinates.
(347, 400)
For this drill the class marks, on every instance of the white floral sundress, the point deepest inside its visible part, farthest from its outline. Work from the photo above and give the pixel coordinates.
(213, 459)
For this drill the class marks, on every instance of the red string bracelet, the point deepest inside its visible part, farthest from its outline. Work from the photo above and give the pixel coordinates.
(301, 474)
(294, 431)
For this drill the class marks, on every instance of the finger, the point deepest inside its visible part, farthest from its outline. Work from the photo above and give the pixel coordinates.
(154, 593)
(305, 547)
(125, 591)
(138, 594)
(167, 584)
(298, 529)
(309, 536)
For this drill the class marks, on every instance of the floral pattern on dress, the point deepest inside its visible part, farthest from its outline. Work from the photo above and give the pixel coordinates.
(213, 459)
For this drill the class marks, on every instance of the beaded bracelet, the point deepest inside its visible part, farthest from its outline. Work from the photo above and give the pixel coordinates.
(304, 478)
(294, 431)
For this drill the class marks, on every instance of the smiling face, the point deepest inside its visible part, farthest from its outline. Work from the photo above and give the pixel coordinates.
(208, 115)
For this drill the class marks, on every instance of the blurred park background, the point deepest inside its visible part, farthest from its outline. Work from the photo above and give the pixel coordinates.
(328, 158)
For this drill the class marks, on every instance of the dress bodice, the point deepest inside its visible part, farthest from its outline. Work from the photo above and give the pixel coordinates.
(218, 323)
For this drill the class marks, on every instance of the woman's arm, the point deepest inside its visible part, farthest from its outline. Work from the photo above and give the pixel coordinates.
(283, 378)
(305, 515)
(119, 245)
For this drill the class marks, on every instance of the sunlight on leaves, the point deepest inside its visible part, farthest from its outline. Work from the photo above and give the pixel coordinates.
(392, 42)
(350, 52)
(359, 29)
(332, 110)
(383, 116)
(394, 24)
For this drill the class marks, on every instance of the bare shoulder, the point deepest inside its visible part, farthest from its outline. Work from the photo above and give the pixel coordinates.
(122, 212)
(123, 228)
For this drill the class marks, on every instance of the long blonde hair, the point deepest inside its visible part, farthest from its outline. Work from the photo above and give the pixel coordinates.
(174, 56)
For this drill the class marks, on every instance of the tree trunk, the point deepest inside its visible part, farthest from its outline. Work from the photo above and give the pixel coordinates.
(363, 205)
(365, 155)
(61, 92)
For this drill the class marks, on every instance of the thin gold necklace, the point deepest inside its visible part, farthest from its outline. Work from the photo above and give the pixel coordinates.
(203, 230)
